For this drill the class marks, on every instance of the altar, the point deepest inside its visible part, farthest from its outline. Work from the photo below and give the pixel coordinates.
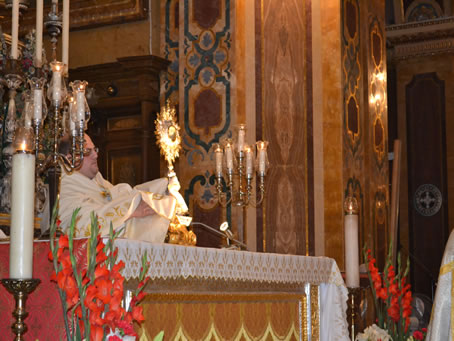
(200, 293)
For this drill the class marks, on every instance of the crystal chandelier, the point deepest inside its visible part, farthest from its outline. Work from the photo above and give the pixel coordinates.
(236, 166)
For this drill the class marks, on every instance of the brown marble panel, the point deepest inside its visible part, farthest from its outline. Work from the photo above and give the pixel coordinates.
(285, 124)
(206, 13)
(207, 110)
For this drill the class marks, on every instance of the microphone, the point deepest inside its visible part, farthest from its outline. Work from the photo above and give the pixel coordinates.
(224, 232)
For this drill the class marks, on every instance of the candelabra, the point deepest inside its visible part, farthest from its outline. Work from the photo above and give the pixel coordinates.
(237, 160)
(69, 111)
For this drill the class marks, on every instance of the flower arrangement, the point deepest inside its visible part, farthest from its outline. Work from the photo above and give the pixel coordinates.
(92, 297)
(392, 298)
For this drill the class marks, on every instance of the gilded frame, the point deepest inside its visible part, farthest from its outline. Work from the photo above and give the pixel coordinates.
(83, 13)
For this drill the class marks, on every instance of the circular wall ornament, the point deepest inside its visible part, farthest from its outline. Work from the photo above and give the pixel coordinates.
(427, 200)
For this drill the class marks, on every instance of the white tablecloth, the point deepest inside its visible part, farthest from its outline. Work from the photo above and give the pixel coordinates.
(180, 262)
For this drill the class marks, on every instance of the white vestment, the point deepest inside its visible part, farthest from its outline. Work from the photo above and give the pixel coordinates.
(115, 204)
(442, 317)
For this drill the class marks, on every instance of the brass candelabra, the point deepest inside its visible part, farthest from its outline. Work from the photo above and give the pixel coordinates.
(237, 161)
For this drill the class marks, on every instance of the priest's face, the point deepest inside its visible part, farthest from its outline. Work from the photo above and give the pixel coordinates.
(90, 163)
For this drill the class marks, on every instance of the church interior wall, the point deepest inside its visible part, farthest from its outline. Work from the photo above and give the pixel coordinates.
(263, 99)
(277, 66)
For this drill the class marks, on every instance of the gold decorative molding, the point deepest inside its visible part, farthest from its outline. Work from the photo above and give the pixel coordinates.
(421, 49)
(418, 39)
(83, 13)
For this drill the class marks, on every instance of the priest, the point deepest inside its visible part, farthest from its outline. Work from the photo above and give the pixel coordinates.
(441, 326)
(142, 212)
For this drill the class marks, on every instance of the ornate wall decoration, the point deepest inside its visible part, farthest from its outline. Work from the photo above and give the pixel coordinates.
(197, 41)
(377, 90)
(170, 48)
(427, 200)
(351, 73)
(421, 10)
(377, 118)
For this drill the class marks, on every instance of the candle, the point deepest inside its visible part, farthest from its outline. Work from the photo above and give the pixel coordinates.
(229, 156)
(261, 149)
(39, 34)
(15, 30)
(80, 105)
(241, 135)
(56, 83)
(218, 154)
(37, 104)
(351, 243)
(249, 168)
(27, 113)
(65, 34)
(22, 215)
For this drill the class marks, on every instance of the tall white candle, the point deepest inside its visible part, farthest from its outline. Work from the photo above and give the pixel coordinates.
(38, 104)
(22, 216)
(56, 85)
(241, 135)
(65, 34)
(351, 250)
(261, 150)
(80, 106)
(229, 156)
(218, 155)
(15, 30)
(39, 34)
(249, 168)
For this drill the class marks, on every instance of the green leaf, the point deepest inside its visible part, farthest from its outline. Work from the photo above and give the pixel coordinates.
(159, 337)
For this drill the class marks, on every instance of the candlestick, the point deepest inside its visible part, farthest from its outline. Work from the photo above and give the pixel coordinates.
(22, 206)
(351, 242)
(218, 155)
(261, 150)
(20, 288)
(15, 30)
(65, 35)
(39, 34)
(38, 104)
(80, 104)
(241, 136)
(56, 81)
(249, 167)
(229, 156)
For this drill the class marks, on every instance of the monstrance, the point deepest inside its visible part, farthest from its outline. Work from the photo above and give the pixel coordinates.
(169, 141)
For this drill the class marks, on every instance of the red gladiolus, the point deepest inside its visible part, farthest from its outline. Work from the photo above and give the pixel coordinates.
(137, 314)
(114, 338)
(381, 293)
(127, 328)
(104, 288)
(97, 333)
(63, 241)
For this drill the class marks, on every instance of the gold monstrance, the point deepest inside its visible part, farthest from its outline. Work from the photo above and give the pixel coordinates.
(169, 141)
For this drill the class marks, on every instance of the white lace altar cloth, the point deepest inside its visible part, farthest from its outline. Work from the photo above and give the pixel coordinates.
(180, 262)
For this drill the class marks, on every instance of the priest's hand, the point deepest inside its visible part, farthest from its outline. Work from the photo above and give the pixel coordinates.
(143, 210)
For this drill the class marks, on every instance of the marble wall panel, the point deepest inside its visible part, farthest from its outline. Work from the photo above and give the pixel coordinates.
(285, 97)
